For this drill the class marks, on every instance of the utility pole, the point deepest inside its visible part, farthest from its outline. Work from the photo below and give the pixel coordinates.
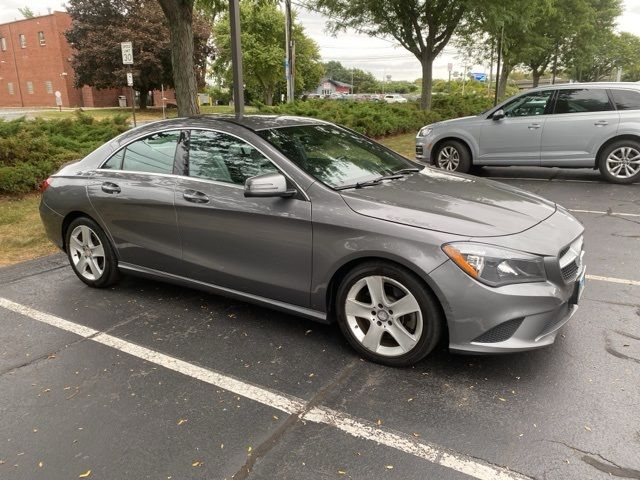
(236, 58)
(288, 63)
(555, 65)
(352, 81)
(495, 98)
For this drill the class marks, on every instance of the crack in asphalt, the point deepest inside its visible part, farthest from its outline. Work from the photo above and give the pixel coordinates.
(266, 446)
(588, 458)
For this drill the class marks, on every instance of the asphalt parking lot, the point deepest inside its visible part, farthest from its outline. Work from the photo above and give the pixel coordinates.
(148, 380)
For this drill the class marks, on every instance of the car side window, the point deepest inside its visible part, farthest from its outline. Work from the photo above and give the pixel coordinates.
(115, 162)
(626, 99)
(530, 104)
(224, 158)
(581, 100)
(153, 154)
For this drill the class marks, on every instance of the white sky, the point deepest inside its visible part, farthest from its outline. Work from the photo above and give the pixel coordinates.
(380, 57)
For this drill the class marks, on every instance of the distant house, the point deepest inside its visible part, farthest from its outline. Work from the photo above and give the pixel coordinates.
(328, 86)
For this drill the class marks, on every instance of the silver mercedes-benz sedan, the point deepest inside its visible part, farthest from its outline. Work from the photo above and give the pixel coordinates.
(314, 219)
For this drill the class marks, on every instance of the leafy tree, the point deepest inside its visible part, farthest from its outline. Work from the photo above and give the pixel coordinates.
(362, 81)
(26, 12)
(263, 51)
(97, 29)
(423, 27)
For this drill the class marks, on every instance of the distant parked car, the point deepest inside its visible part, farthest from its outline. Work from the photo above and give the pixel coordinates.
(394, 98)
(574, 125)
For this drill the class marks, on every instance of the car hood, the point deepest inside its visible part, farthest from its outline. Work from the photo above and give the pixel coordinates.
(460, 120)
(451, 203)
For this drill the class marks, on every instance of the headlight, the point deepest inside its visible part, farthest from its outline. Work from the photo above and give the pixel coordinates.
(496, 266)
(424, 131)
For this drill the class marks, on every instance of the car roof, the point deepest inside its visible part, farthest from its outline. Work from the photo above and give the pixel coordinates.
(626, 85)
(252, 122)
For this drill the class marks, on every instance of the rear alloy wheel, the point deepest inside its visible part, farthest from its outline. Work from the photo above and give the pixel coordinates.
(620, 162)
(453, 156)
(90, 253)
(388, 315)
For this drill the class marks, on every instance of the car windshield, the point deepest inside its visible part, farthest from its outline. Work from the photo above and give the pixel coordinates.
(335, 156)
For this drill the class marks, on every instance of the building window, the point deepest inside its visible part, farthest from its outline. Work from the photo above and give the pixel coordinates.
(10, 88)
(48, 85)
(23, 40)
(29, 87)
(41, 39)
(3, 44)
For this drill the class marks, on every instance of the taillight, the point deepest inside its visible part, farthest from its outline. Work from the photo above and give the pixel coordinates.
(44, 185)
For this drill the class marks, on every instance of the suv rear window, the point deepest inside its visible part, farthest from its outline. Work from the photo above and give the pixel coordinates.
(582, 100)
(626, 99)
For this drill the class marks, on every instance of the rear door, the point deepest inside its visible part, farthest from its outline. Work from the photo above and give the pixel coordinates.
(133, 193)
(260, 246)
(515, 139)
(582, 120)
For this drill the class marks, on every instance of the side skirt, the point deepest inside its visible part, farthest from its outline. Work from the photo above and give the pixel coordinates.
(226, 292)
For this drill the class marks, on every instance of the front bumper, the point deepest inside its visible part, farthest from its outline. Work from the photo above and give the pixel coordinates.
(512, 318)
(423, 149)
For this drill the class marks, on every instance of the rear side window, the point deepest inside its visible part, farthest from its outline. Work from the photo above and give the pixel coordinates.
(582, 100)
(626, 99)
(224, 158)
(153, 154)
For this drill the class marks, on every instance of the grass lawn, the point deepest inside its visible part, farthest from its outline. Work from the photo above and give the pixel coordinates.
(22, 236)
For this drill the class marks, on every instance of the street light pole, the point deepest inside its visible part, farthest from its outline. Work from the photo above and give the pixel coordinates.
(288, 64)
(236, 58)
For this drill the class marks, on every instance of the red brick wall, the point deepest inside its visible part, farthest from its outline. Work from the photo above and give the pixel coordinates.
(93, 97)
(35, 64)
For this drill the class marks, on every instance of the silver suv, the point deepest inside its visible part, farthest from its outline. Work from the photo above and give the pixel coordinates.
(574, 125)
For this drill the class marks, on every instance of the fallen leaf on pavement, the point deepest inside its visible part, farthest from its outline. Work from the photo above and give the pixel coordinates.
(341, 472)
(388, 467)
(197, 463)
(86, 474)
(182, 421)
(587, 428)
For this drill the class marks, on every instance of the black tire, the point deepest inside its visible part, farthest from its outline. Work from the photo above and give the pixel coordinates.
(432, 318)
(462, 155)
(604, 155)
(110, 273)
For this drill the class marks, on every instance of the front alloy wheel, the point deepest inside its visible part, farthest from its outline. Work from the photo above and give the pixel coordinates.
(87, 252)
(448, 158)
(388, 314)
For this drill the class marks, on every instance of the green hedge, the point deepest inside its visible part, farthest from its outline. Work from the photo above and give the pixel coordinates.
(377, 119)
(30, 150)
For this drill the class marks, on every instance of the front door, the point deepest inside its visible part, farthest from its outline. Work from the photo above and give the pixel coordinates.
(133, 194)
(260, 246)
(515, 138)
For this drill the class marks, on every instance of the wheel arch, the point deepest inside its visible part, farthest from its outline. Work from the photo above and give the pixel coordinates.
(617, 138)
(459, 139)
(73, 215)
(341, 272)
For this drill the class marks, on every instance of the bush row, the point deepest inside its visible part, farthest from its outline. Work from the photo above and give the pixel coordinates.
(31, 149)
(377, 119)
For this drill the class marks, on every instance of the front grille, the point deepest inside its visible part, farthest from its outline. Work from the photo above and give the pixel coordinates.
(569, 271)
(563, 252)
(419, 150)
(501, 332)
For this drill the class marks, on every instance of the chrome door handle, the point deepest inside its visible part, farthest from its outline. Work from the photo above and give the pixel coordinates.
(601, 123)
(534, 126)
(194, 196)
(108, 187)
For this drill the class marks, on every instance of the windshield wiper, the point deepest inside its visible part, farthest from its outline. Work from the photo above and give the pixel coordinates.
(368, 183)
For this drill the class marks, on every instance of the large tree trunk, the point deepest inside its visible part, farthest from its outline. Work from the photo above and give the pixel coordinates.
(179, 13)
(505, 71)
(427, 81)
(144, 97)
(536, 77)
(268, 97)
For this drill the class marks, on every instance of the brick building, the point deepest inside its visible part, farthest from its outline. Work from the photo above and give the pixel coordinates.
(35, 62)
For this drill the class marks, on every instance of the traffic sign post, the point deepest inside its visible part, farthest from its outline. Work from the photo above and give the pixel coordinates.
(127, 59)
(58, 100)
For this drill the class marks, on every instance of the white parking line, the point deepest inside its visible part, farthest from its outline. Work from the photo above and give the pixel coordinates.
(599, 212)
(613, 280)
(353, 426)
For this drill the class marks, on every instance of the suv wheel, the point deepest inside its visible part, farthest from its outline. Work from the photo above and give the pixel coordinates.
(620, 162)
(453, 156)
(387, 314)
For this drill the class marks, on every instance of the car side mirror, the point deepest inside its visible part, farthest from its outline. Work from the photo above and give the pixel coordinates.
(498, 115)
(267, 185)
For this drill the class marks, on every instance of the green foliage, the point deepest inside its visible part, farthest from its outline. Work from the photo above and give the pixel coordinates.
(31, 150)
(377, 119)
(263, 52)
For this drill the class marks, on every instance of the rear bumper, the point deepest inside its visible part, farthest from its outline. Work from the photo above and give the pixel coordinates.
(52, 222)
(512, 318)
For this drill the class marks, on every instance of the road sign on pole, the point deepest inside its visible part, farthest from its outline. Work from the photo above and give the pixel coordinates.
(130, 79)
(127, 53)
